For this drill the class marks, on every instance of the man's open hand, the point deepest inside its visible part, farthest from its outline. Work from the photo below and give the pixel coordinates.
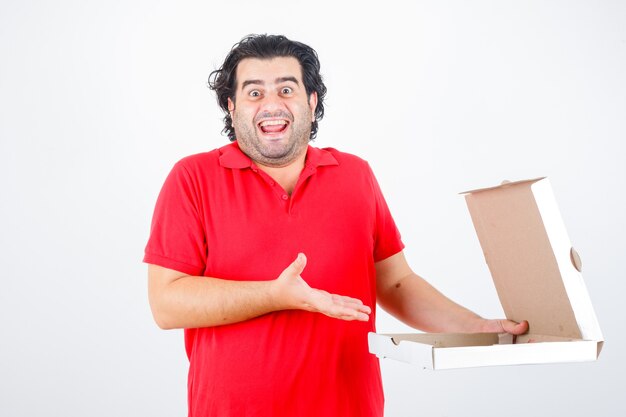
(294, 293)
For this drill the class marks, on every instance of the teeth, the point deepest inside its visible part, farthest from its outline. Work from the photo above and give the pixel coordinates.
(273, 122)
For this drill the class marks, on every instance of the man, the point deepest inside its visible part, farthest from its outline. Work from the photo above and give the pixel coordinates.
(272, 254)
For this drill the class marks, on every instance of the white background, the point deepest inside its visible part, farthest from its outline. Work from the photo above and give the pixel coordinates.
(99, 99)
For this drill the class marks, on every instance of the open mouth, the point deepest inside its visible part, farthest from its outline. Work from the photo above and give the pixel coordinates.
(273, 126)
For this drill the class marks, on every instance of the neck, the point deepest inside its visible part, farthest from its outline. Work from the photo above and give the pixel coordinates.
(287, 176)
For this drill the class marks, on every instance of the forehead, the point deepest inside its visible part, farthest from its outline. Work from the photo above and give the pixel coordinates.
(268, 70)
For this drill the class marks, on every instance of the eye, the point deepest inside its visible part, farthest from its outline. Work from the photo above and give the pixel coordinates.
(254, 93)
(286, 90)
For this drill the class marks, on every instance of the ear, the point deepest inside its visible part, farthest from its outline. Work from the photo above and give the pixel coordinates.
(313, 104)
(231, 107)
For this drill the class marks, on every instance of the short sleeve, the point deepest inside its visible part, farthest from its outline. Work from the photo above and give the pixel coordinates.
(177, 235)
(387, 239)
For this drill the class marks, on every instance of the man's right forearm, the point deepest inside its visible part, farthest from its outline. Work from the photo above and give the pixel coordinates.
(182, 301)
(188, 301)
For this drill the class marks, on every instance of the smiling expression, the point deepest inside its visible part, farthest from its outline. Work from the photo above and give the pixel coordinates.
(272, 113)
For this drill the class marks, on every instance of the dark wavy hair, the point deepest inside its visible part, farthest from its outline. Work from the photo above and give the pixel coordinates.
(224, 82)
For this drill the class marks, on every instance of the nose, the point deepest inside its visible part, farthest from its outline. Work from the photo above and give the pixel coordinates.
(272, 102)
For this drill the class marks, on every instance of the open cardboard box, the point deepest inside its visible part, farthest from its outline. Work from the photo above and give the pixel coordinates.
(537, 276)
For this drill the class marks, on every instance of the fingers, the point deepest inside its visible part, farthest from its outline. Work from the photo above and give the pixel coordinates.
(348, 313)
(339, 306)
(352, 303)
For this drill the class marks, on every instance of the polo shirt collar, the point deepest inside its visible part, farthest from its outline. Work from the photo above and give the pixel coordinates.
(232, 157)
(316, 157)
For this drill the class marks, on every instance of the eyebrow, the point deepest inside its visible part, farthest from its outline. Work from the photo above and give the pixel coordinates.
(285, 79)
(277, 81)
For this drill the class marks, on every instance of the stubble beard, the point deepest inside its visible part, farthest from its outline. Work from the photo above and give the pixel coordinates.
(272, 154)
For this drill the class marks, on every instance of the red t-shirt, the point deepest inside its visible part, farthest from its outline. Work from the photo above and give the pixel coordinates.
(219, 215)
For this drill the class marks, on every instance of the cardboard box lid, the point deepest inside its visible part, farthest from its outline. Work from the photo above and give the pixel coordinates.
(535, 270)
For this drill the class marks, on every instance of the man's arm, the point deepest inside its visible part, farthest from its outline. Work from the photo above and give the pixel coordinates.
(415, 302)
(182, 301)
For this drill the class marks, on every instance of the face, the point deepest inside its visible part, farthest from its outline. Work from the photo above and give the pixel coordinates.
(272, 114)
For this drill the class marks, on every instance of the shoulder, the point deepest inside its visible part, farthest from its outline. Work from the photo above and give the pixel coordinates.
(199, 161)
(195, 169)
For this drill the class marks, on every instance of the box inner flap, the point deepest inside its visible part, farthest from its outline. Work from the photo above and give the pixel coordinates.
(520, 258)
(540, 338)
(448, 339)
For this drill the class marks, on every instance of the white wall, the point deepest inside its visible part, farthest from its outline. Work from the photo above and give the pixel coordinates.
(99, 99)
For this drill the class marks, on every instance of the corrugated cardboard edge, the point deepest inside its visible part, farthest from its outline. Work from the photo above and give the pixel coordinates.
(502, 185)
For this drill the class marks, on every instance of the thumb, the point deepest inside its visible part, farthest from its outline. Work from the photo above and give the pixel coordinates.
(514, 328)
(297, 266)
